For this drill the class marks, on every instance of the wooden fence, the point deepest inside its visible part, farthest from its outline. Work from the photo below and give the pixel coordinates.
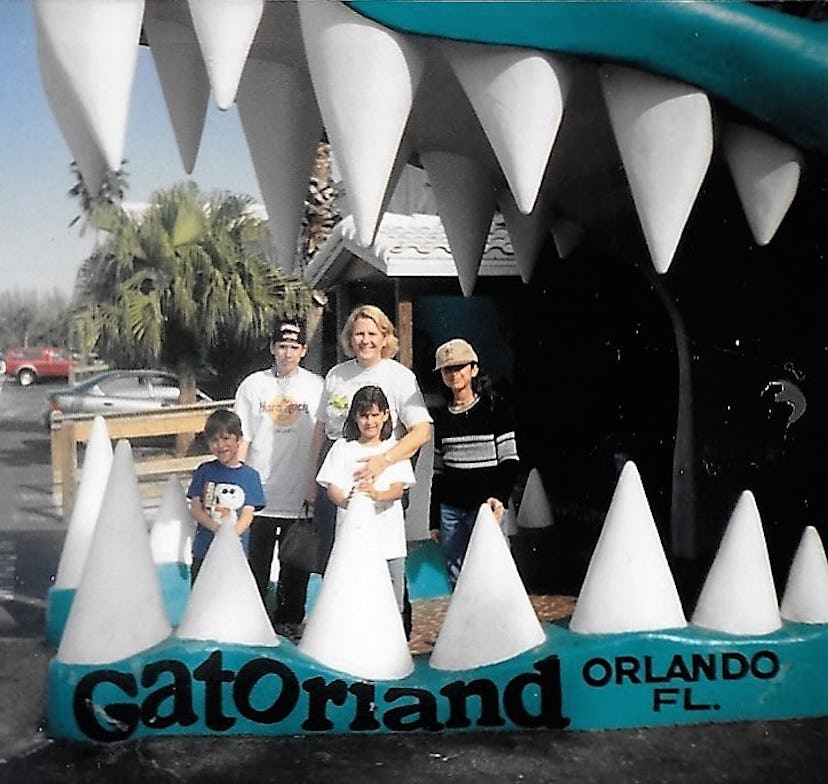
(153, 466)
(81, 372)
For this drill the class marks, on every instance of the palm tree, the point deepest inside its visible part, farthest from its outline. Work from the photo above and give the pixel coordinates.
(110, 194)
(187, 274)
(320, 217)
(321, 206)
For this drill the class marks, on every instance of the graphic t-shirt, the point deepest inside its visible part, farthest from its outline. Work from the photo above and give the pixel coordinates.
(397, 382)
(278, 415)
(215, 485)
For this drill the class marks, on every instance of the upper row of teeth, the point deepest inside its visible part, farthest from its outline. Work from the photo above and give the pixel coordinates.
(293, 68)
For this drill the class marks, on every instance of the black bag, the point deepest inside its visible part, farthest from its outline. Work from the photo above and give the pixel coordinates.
(297, 545)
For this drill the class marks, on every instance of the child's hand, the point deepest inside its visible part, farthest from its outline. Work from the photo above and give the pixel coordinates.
(496, 507)
(347, 499)
(367, 487)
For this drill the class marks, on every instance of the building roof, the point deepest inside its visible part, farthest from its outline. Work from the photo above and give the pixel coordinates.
(405, 246)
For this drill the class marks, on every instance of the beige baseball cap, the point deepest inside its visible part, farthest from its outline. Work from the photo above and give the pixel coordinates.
(454, 352)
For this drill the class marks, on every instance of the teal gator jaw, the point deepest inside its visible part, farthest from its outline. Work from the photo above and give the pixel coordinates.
(771, 65)
(571, 681)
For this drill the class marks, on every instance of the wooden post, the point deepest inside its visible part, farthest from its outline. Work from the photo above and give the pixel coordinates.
(55, 442)
(405, 332)
(68, 467)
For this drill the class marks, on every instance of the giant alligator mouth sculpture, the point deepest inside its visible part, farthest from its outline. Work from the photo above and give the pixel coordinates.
(523, 106)
(567, 117)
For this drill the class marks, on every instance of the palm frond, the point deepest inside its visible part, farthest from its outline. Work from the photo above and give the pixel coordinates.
(187, 275)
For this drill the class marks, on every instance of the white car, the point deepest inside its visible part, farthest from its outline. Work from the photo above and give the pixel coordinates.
(119, 391)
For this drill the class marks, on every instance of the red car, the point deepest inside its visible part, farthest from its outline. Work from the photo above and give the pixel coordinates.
(31, 363)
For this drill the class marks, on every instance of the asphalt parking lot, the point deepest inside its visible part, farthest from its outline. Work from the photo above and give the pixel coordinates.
(31, 535)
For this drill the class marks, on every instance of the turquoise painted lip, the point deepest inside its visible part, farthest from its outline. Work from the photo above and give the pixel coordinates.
(771, 65)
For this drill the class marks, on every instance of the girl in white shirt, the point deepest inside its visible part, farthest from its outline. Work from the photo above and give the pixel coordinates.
(368, 431)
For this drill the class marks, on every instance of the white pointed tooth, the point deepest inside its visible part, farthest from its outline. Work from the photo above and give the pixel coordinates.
(466, 198)
(528, 233)
(664, 133)
(628, 585)
(96, 464)
(365, 77)
(806, 593)
(184, 82)
(172, 529)
(489, 618)
(225, 31)
(95, 45)
(567, 235)
(505, 84)
(282, 126)
(738, 595)
(171, 541)
(70, 117)
(535, 510)
(355, 625)
(766, 172)
(215, 613)
(118, 609)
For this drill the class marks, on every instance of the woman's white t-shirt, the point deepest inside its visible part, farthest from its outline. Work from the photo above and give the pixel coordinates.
(399, 384)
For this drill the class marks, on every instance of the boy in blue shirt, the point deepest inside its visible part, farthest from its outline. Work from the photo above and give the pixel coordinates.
(223, 490)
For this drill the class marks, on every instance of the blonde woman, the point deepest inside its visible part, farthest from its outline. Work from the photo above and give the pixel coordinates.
(369, 340)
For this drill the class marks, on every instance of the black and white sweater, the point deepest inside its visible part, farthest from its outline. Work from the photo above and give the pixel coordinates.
(475, 456)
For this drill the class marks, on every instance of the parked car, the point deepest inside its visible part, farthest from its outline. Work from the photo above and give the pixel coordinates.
(33, 363)
(119, 391)
(2, 365)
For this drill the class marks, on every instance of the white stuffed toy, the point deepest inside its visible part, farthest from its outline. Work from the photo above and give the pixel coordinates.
(227, 496)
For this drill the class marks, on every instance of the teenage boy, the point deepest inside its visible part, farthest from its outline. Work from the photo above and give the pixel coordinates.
(277, 407)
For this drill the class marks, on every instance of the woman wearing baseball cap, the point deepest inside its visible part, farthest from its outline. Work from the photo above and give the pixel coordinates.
(475, 452)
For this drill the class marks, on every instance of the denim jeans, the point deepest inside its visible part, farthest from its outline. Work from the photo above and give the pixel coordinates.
(396, 568)
(455, 531)
(456, 526)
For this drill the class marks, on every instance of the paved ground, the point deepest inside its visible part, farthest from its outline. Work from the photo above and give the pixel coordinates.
(31, 535)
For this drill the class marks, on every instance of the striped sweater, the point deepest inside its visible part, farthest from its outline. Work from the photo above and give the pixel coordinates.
(475, 456)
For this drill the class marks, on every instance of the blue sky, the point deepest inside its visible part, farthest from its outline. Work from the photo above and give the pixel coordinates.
(38, 251)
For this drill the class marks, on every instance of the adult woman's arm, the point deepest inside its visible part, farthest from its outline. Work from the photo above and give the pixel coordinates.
(404, 449)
